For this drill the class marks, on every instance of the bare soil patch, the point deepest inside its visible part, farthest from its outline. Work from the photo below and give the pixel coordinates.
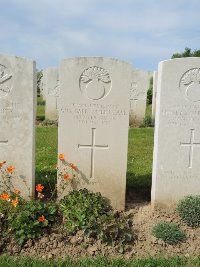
(58, 244)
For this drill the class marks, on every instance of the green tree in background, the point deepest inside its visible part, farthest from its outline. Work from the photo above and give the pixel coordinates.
(150, 92)
(187, 53)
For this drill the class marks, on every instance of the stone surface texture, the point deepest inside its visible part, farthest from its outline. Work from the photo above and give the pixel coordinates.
(93, 124)
(17, 120)
(155, 78)
(138, 95)
(52, 94)
(176, 167)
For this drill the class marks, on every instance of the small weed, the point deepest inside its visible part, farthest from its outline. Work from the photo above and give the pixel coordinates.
(169, 233)
(189, 210)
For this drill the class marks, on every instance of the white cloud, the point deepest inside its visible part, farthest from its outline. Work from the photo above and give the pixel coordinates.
(139, 31)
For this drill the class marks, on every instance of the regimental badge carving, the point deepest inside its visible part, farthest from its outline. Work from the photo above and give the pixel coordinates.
(5, 81)
(190, 84)
(55, 91)
(95, 82)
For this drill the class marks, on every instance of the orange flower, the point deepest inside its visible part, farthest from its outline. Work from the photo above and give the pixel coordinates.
(5, 196)
(39, 188)
(41, 219)
(15, 202)
(2, 163)
(17, 191)
(74, 167)
(66, 176)
(61, 157)
(10, 169)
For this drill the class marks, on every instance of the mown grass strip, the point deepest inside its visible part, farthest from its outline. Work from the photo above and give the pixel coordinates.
(10, 261)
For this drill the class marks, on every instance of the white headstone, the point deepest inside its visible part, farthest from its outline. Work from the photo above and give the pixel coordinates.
(93, 123)
(155, 78)
(176, 167)
(18, 91)
(43, 92)
(138, 95)
(52, 94)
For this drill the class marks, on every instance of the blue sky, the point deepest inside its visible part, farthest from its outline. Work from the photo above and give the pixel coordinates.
(142, 32)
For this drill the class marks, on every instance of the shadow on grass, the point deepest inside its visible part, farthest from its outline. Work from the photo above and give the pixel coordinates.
(138, 188)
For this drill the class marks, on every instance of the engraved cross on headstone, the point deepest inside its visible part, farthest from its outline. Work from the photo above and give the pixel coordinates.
(191, 146)
(93, 147)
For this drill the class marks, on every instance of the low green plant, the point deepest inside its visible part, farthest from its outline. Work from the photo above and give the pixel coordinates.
(90, 212)
(80, 207)
(147, 122)
(112, 228)
(169, 233)
(31, 220)
(189, 210)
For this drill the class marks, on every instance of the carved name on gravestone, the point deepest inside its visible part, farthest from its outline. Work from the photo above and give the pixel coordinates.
(17, 120)
(138, 96)
(155, 78)
(176, 168)
(93, 124)
(52, 94)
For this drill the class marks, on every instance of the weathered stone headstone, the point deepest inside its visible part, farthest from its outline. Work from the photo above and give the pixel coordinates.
(155, 77)
(17, 121)
(176, 167)
(43, 87)
(138, 96)
(93, 124)
(52, 94)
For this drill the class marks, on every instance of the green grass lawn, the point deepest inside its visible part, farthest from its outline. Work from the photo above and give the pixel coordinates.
(140, 157)
(40, 109)
(7, 261)
(46, 155)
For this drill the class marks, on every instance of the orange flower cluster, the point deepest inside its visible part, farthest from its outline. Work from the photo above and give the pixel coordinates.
(61, 157)
(15, 202)
(5, 196)
(39, 188)
(41, 219)
(74, 167)
(66, 177)
(10, 169)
